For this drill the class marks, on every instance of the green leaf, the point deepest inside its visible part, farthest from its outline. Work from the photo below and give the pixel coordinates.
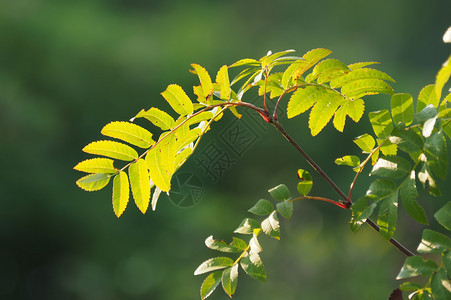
(140, 183)
(247, 226)
(388, 216)
(280, 192)
(130, 133)
(121, 193)
(446, 257)
(178, 100)
(442, 77)
(387, 148)
(285, 209)
(111, 149)
(441, 285)
(310, 59)
(262, 208)
(416, 266)
(395, 167)
(253, 266)
(354, 109)
(402, 108)
(434, 242)
(271, 226)
(96, 165)
(221, 246)
(362, 209)
(428, 182)
(302, 99)
(158, 118)
(366, 73)
(288, 74)
(359, 88)
(425, 114)
(381, 122)
(230, 280)
(348, 160)
(239, 244)
(268, 59)
(158, 174)
(222, 78)
(408, 140)
(436, 154)
(443, 215)
(409, 194)
(94, 182)
(205, 79)
(322, 112)
(409, 286)
(381, 188)
(365, 142)
(213, 264)
(359, 65)
(327, 70)
(246, 61)
(427, 96)
(210, 284)
(305, 184)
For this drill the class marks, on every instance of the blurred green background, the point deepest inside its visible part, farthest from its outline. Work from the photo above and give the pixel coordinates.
(69, 67)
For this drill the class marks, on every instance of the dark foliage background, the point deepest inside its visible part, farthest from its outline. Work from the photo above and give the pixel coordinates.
(69, 67)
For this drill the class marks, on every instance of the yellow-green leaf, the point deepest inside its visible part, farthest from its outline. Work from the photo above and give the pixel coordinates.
(183, 156)
(94, 182)
(158, 173)
(140, 183)
(178, 100)
(303, 99)
(323, 111)
(365, 142)
(121, 193)
(442, 77)
(222, 78)
(96, 165)
(359, 88)
(365, 73)
(130, 133)
(402, 108)
(205, 80)
(158, 118)
(310, 59)
(427, 96)
(111, 149)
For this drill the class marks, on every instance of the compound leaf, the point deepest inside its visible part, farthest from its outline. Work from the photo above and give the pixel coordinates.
(140, 183)
(97, 165)
(130, 133)
(121, 193)
(94, 182)
(111, 149)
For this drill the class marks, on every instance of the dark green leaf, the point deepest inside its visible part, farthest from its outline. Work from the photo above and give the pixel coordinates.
(408, 140)
(388, 216)
(441, 285)
(348, 160)
(230, 280)
(443, 215)
(408, 193)
(221, 245)
(213, 264)
(395, 167)
(436, 154)
(238, 243)
(365, 142)
(262, 208)
(285, 209)
(271, 226)
(361, 211)
(247, 226)
(210, 284)
(410, 286)
(381, 188)
(381, 122)
(305, 184)
(402, 108)
(280, 192)
(417, 266)
(447, 261)
(426, 113)
(428, 182)
(253, 266)
(433, 242)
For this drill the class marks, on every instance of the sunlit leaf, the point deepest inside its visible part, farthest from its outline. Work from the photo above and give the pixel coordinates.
(246, 61)
(178, 100)
(381, 188)
(96, 165)
(395, 167)
(427, 96)
(158, 117)
(230, 280)
(354, 109)
(222, 246)
(111, 149)
(417, 266)
(130, 133)
(408, 192)
(213, 264)
(302, 99)
(408, 140)
(348, 160)
(253, 266)
(365, 142)
(94, 182)
(139, 181)
(305, 182)
(365, 73)
(322, 112)
(205, 79)
(271, 226)
(310, 59)
(280, 192)
(381, 122)
(402, 108)
(442, 77)
(359, 65)
(222, 78)
(327, 70)
(288, 74)
(262, 208)
(247, 226)
(158, 173)
(210, 284)
(387, 148)
(121, 193)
